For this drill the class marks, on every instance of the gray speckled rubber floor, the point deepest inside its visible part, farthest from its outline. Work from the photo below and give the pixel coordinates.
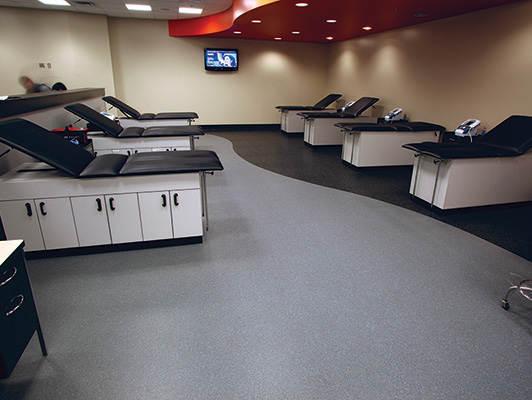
(298, 292)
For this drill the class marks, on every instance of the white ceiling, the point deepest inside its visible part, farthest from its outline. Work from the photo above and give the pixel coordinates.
(161, 9)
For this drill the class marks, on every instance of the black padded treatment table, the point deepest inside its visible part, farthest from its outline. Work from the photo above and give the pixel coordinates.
(135, 137)
(319, 129)
(132, 113)
(320, 105)
(493, 169)
(293, 123)
(113, 128)
(174, 181)
(380, 144)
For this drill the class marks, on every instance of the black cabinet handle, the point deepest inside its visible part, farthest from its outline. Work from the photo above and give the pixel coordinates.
(21, 300)
(99, 205)
(176, 199)
(41, 205)
(164, 199)
(111, 200)
(29, 213)
(11, 277)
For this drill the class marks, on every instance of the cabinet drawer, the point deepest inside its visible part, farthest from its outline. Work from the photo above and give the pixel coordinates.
(12, 273)
(18, 322)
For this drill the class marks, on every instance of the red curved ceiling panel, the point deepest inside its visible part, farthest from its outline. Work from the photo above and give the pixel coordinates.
(281, 18)
(214, 23)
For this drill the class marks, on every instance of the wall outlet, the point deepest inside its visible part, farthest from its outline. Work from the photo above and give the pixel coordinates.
(41, 65)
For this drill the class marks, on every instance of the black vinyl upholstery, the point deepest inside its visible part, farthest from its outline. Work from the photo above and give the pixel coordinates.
(512, 137)
(113, 128)
(105, 124)
(399, 126)
(104, 166)
(48, 147)
(352, 111)
(184, 130)
(171, 162)
(126, 109)
(131, 112)
(320, 105)
(45, 146)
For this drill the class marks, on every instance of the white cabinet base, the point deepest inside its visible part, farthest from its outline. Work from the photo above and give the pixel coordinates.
(108, 144)
(472, 182)
(322, 132)
(51, 210)
(375, 149)
(291, 122)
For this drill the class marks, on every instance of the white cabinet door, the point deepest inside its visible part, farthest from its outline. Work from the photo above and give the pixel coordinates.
(155, 215)
(90, 216)
(20, 221)
(124, 217)
(186, 213)
(57, 223)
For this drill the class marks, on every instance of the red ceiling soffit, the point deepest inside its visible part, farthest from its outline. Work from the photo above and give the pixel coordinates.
(214, 23)
(281, 20)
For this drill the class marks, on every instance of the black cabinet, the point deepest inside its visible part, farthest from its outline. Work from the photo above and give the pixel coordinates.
(18, 314)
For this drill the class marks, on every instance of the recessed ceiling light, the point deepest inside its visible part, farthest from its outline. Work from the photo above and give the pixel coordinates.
(190, 10)
(55, 2)
(329, 38)
(367, 28)
(237, 33)
(296, 33)
(138, 7)
(278, 38)
(301, 4)
(256, 21)
(331, 21)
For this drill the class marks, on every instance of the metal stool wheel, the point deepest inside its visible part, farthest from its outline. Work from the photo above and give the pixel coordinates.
(524, 287)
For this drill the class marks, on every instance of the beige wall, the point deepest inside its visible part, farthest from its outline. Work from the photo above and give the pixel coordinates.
(155, 72)
(473, 66)
(477, 65)
(76, 45)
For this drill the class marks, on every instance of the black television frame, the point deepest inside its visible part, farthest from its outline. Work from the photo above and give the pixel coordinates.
(211, 68)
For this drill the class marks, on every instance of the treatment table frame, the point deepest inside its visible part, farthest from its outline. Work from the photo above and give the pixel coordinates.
(381, 148)
(320, 129)
(493, 169)
(291, 122)
(471, 182)
(70, 199)
(52, 210)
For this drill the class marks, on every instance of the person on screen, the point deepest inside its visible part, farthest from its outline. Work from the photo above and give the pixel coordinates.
(32, 87)
(227, 60)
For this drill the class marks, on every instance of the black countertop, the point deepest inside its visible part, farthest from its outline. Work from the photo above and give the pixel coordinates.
(25, 103)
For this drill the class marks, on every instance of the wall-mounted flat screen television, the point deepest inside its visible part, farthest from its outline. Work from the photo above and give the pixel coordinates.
(221, 59)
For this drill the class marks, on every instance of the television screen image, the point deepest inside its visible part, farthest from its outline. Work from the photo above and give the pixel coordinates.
(221, 59)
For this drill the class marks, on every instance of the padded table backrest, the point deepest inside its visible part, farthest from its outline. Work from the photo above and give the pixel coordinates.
(513, 134)
(93, 116)
(45, 146)
(126, 109)
(361, 105)
(326, 101)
